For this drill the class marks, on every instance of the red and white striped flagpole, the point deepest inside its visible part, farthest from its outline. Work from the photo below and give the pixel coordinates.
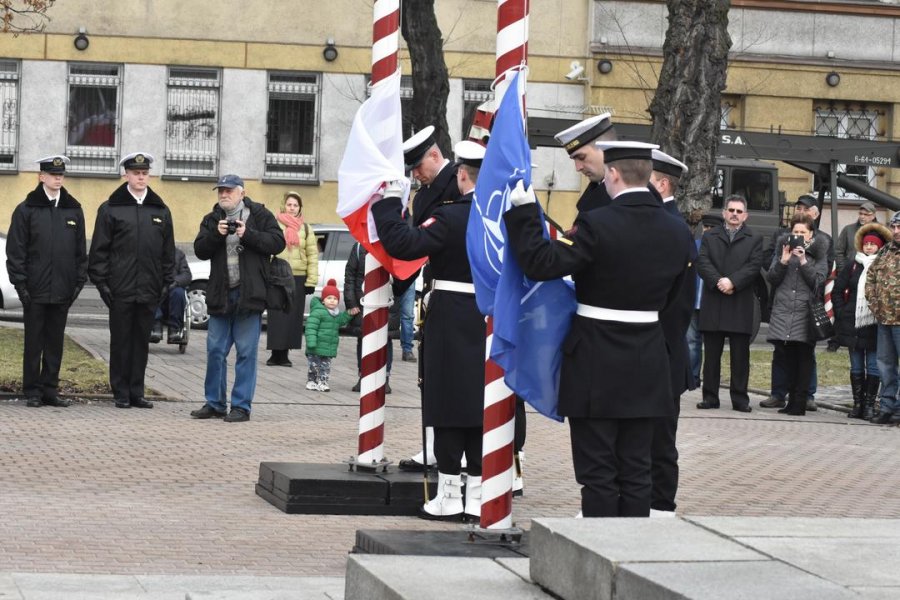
(385, 46)
(499, 401)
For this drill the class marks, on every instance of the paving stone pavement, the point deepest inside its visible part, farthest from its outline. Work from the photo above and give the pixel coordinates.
(96, 490)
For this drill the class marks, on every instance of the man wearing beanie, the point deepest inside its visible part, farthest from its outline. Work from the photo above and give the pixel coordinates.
(322, 335)
(238, 237)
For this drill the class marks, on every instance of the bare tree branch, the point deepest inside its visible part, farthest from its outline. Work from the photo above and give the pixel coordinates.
(22, 16)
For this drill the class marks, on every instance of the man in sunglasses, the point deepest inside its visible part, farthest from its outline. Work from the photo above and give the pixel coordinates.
(729, 262)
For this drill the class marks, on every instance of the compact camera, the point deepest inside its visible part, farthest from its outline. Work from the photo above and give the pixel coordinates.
(795, 241)
(232, 227)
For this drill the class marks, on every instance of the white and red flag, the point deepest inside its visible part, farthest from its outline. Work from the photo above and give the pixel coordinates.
(373, 157)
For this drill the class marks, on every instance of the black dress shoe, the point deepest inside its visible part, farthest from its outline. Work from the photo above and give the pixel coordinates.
(408, 356)
(33, 402)
(881, 418)
(237, 415)
(175, 335)
(141, 403)
(56, 401)
(743, 409)
(207, 412)
(156, 333)
(412, 466)
(705, 405)
(123, 404)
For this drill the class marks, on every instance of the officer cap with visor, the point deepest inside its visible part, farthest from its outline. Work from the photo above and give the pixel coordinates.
(415, 148)
(584, 132)
(469, 153)
(667, 165)
(136, 161)
(54, 164)
(621, 150)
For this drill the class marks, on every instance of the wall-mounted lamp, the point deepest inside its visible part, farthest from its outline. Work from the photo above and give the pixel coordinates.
(604, 66)
(330, 53)
(833, 79)
(81, 40)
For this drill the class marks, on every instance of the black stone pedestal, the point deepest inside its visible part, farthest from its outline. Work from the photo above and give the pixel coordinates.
(333, 489)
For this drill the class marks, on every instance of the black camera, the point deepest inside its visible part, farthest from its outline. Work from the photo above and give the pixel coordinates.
(795, 241)
(232, 227)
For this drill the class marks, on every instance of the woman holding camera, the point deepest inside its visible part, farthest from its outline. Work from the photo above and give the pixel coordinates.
(855, 323)
(796, 274)
(284, 331)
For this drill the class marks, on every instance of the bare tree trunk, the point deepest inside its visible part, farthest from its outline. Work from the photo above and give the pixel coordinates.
(686, 109)
(431, 83)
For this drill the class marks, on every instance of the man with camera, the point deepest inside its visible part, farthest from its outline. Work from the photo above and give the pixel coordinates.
(238, 237)
(131, 261)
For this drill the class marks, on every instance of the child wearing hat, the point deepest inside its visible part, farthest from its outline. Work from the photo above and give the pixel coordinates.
(322, 335)
(854, 322)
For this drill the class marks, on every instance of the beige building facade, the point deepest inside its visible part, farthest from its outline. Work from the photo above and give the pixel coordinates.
(244, 86)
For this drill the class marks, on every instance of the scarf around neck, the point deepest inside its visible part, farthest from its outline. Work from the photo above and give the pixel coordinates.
(864, 316)
(292, 227)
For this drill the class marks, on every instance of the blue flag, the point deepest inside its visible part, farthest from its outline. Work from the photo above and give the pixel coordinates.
(531, 319)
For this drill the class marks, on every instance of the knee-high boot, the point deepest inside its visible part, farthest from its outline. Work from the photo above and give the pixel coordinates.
(873, 383)
(857, 385)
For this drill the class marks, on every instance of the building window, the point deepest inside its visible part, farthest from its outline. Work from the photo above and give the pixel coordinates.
(475, 92)
(9, 127)
(92, 140)
(292, 132)
(850, 121)
(730, 113)
(192, 122)
(407, 106)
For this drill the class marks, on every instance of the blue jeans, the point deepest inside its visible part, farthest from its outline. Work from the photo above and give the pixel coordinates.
(241, 329)
(695, 345)
(888, 351)
(407, 308)
(780, 377)
(864, 361)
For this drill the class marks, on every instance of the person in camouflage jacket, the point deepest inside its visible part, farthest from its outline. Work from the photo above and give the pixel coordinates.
(883, 293)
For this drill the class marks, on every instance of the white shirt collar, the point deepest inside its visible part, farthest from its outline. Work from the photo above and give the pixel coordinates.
(140, 199)
(669, 199)
(629, 190)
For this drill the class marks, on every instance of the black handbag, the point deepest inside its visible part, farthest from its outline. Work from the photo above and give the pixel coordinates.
(279, 285)
(820, 323)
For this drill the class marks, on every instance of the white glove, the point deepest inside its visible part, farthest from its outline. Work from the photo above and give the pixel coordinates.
(519, 195)
(394, 189)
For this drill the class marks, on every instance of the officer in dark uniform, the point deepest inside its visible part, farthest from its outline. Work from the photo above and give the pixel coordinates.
(675, 320)
(46, 258)
(628, 264)
(437, 177)
(131, 262)
(578, 140)
(455, 334)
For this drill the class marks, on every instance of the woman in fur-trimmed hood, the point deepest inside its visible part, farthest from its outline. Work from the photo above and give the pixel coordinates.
(854, 322)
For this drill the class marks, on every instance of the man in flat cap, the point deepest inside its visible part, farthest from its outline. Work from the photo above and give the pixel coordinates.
(845, 247)
(238, 237)
(453, 400)
(46, 258)
(437, 178)
(578, 140)
(675, 321)
(131, 262)
(628, 263)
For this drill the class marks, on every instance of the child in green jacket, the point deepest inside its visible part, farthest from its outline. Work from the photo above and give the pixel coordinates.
(322, 335)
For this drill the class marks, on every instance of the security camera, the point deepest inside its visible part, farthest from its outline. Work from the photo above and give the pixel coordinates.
(576, 69)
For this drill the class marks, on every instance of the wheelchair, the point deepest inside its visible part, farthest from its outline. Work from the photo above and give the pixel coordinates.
(184, 332)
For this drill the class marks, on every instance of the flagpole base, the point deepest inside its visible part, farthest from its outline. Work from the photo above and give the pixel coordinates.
(369, 466)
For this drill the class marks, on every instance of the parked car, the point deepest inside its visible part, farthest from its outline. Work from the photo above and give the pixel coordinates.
(8, 295)
(335, 243)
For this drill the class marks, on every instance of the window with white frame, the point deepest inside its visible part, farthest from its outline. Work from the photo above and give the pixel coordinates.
(850, 121)
(292, 131)
(192, 122)
(475, 92)
(92, 138)
(9, 126)
(730, 112)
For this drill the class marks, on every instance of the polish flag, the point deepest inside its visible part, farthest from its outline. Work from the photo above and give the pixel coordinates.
(373, 157)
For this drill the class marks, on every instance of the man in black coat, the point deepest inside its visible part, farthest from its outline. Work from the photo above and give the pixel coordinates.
(131, 261)
(628, 263)
(578, 140)
(437, 178)
(46, 259)
(238, 237)
(729, 261)
(675, 321)
(454, 331)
